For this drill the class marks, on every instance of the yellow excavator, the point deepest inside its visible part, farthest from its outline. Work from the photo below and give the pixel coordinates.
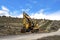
(29, 25)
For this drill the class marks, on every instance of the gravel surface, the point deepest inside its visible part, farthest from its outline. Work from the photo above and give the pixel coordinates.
(50, 38)
(33, 36)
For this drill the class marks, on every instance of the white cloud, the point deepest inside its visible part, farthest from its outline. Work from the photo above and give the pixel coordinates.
(4, 11)
(26, 10)
(41, 15)
(4, 8)
(38, 15)
(20, 16)
(54, 16)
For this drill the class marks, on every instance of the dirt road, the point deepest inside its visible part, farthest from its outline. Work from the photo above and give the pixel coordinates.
(30, 36)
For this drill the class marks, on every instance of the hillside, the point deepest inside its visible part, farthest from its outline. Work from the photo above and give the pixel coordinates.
(10, 25)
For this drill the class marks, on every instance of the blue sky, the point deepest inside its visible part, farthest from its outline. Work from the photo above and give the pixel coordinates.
(44, 8)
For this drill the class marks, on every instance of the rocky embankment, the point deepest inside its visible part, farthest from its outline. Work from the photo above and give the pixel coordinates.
(12, 26)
